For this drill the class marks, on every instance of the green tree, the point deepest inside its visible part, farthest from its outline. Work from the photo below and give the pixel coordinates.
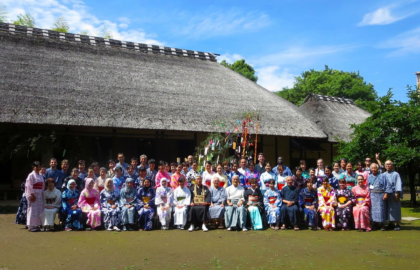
(25, 20)
(3, 14)
(61, 25)
(242, 68)
(331, 82)
(394, 131)
(105, 33)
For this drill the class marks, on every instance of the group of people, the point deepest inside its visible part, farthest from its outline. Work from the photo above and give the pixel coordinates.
(236, 196)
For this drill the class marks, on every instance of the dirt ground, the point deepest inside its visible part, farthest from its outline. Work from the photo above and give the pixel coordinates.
(217, 249)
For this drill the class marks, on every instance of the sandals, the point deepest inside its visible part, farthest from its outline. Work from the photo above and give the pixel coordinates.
(283, 226)
(296, 228)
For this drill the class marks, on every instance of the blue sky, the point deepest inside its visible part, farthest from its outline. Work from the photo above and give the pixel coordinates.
(280, 39)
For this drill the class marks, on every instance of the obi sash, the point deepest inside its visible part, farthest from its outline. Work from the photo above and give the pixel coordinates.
(350, 184)
(72, 201)
(342, 199)
(146, 199)
(38, 185)
(129, 200)
(208, 183)
(221, 184)
(111, 201)
(90, 200)
(253, 198)
(360, 200)
(180, 198)
(309, 200)
(50, 200)
(272, 199)
(101, 188)
(326, 199)
(280, 186)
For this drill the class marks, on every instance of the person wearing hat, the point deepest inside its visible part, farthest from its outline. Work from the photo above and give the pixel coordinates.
(163, 202)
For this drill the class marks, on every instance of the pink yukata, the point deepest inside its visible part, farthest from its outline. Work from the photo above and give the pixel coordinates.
(34, 185)
(361, 214)
(89, 199)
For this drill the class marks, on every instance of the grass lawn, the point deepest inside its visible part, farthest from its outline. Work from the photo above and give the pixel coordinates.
(217, 249)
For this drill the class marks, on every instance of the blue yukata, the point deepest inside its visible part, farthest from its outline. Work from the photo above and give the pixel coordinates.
(377, 186)
(23, 206)
(57, 175)
(83, 175)
(128, 196)
(112, 217)
(272, 198)
(68, 199)
(333, 181)
(241, 178)
(286, 171)
(118, 182)
(309, 198)
(393, 185)
(290, 212)
(264, 178)
(146, 196)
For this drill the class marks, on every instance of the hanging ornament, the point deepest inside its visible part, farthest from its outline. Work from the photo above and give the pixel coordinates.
(234, 146)
(212, 146)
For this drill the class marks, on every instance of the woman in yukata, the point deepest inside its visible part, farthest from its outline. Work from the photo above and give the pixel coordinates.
(254, 202)
(52, 204)
(326, 202)
(34, 192)
(128, 202)
(252, 173)
(223, 179)
(308, 201)
(182, 199)
(266, 177)
(146, 204)
(344, 209)
(349, 175)
(90, 204)
(362, 204)
(69, 200)
(218, 201)
(163, 202)
(272, 203)
(281, 180)
(111, 210)
(361, 171)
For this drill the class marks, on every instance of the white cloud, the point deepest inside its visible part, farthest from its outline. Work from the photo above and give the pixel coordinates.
(222, 23)
(78, 17)
(389, 14)
(404, 44)
(230, 58)
(274, 79)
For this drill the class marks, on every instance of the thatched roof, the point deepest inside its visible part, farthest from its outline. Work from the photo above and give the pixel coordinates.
(334, 115)
(60, 82)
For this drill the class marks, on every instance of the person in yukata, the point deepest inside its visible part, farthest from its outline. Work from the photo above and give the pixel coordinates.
(361, 171)
(100, 181)
(378, 197)
(272, 203)
(290, 207)
(138, 183)
(146, 203)
(81, 166)
(185, 169)
(298, 180)
(90, 204)
(129, 173)
(199, 208)
(54, 173)
(118, 179)
(223, 179)
(95, 167)
(34, 191)
(176, 176)
(208, 174)
(52, 204)
(337, 170)
(326, 204)
(362, 204)
(328, 173)
(110, 206)
(235, 172)
(253, 173)
(151, 172)
(344, 209)
(143, 161)
(23, 207)
(163, 202)
(91, 174)
(182, 200)
(73, 214)
(218, 201)
(65, 171)
(226, 168)
(302, 165)
(190, 160)
(192, 174)
(343, 165)
(394, 190)
(308, 201)
(316, 182)
(243, 169)
(235, 212)
(266, 177)
(110, 173)
(128, 202)
(162, 173)
(135, 163)
(280, 179)
(80, 183)
(286, 170)
(254, 202)
(43, 172)
(260, 167)
(349, 175)
(320, 170)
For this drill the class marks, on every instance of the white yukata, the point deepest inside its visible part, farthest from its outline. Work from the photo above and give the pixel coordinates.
(53, 199)
(34, 185)
(182, 196)
(164, 198)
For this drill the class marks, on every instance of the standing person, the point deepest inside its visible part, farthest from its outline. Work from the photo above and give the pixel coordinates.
(254, 202)
(70, 200)
(272, 203)
(308, 201)
(316, 182)
(146, 204)
(226, 168)
(280, 179)
(361, 171)
(100, 181)
(34, 190)
(90, 204)
(298, 180)
(161, 174)
(260, 167)
(163, 201)
(151, 172)
(95, 167)
(235, 213)
(218, 200)
(192, 174)
(362, 201)
(377, 187)
(394, 189)
(110, 206)
(302, 164)
(135, 163)
(52, 203)
(331, 177)
(190, 160)
(138, 183)
(176, 176)
(54, 173)
(143, 161)
(118, 179)
(235, 172)
(349, 175)
(223, 179)
(368, 162)
(182, 199)
(208, 174)
(266, 177)
(174, 165)
(121, 163)
(23, 207)
(128, 202)
(43, 172)
(343, 165)
(65, 170)
(111, 165)
(290, 206)
(185, 169)
(200, 201)
(320, 170)
(243, 169)
(253, 173)
(81, 166)
(326, 203)
(337, 171)
(129, 173)
(344, 209)
(286, 170)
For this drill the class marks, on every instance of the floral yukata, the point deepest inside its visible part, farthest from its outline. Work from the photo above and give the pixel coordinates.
(361, 210)
(34, 185)
(309, 198)
(326, 197)
(89, 199)
(70, 198)
(272, 203)
(112, 217)
(343, 215)
(146, 196)
(23, 207)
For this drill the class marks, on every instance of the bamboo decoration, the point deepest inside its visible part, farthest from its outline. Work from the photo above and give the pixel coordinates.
(256, 143)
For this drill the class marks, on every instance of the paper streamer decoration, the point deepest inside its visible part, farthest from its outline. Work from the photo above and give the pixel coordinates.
(234, 145)
(206, 150)
(256, 143)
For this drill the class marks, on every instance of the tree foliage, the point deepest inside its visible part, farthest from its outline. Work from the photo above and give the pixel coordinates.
(331, 82)
(243, 68)
(61, 25)
(394, 130)
(3, 14)
(105, 33)
(25, 20)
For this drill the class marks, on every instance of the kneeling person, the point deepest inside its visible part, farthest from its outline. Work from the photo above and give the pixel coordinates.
(201, 198)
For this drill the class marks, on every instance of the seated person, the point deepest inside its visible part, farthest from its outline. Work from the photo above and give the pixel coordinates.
(344, 209)
(90, 204)
(235, 212)
(272, 203)
(111, 211)
(218, 201)
(290, 206)
(69, 199)
(182, 199)
(52, 203)
(326, 204)
(163, 202)
(254, 202)
(146, 204)
(200, 200)
(128, 202)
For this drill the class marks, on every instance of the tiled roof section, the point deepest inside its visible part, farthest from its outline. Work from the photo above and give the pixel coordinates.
(98, 41)
(333, 99)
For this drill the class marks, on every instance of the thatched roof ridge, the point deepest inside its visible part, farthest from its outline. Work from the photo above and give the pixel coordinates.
(47, 81)
(334, 115)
